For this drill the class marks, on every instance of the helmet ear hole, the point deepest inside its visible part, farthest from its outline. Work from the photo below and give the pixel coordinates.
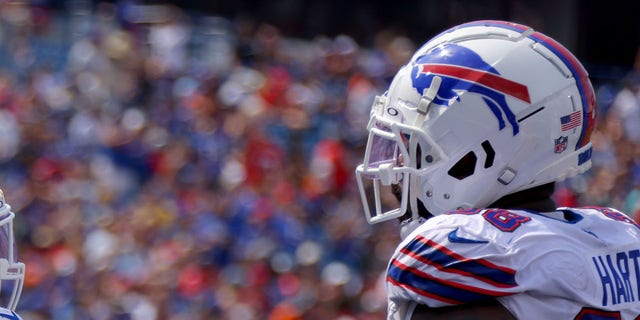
(418, 157)
(464, 167)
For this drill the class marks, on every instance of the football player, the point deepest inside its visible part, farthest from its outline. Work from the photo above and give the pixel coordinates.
(470, 137)
(11, 270)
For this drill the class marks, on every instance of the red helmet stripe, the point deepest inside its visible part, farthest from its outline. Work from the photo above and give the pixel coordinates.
(487, 79)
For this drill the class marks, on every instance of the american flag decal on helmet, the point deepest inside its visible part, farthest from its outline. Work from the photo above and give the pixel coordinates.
(571, 121)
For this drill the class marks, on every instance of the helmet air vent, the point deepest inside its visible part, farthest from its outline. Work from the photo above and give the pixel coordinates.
(491, 154)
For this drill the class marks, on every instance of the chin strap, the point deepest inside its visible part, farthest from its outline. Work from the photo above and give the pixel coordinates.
(428, 95)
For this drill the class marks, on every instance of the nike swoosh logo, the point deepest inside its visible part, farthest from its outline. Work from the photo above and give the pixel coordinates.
(453, 237)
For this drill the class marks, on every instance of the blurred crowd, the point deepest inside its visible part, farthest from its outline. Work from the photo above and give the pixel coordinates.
(170, 166)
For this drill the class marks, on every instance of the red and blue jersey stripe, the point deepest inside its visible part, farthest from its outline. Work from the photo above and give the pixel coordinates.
(427, 254)
(450, 292)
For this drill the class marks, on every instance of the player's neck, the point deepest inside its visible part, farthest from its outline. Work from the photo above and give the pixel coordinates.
(537, 199)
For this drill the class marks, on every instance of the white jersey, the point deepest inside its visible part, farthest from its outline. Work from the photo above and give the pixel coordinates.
(575, 263)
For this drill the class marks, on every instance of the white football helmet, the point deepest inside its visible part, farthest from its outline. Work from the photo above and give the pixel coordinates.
(483, 110)
(11, 271)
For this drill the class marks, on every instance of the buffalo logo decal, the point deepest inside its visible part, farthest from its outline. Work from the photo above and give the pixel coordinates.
(461, 69)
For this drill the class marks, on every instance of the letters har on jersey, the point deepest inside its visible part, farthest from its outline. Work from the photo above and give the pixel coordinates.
(619, 274)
